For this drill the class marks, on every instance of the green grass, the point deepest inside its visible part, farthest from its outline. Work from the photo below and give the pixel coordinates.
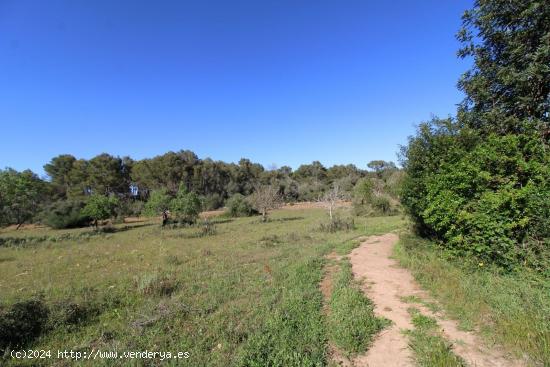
(512, 310)
(430, 348)
(246, 295)
(352, 323)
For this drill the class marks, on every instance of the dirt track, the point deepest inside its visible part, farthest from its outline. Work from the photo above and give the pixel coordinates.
(385, 283)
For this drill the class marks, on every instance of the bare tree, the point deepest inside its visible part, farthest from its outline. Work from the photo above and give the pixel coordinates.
(331, 198)
(265, 198)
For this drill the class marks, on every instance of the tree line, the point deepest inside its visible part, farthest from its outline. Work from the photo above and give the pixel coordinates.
(109, 186)
(479, 182)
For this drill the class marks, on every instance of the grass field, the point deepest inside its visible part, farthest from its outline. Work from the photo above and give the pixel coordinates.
(248, 294)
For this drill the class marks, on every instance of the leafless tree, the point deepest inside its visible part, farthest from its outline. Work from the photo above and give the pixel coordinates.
(265, 198)
(330, 199)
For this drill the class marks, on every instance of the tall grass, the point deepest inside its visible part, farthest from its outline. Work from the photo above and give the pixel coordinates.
(508, 309)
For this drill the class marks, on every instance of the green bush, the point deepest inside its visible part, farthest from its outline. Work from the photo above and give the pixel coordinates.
(158, 202)
(22, 323)
(186, 206)
(65, 214)
(238, 206)
(211, 202)
(491, 201)
(337, 224)
(381, 205)
(100, 207)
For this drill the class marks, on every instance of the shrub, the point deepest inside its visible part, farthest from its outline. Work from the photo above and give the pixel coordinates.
(156, 284)
(22, 323)
(381, 205)
(186, 206)
(238, 206)
(211, 202)
(488, 202)
(65, 214)
(337, 224)
(68, 313)
(129, 208)
(158, 202)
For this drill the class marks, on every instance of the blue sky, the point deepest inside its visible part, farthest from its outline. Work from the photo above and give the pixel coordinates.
(283, 82)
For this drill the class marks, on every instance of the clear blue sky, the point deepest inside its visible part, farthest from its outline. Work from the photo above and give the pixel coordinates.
(284, 82)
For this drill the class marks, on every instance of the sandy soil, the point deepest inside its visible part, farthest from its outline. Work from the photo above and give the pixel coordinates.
(385, 283)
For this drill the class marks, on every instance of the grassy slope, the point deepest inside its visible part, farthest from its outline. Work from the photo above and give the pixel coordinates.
(247, 295)
(512, 310)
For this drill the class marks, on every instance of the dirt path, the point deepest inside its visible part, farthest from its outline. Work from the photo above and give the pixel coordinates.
(385, 283)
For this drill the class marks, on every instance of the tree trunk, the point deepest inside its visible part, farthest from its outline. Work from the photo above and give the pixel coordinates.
(96, 225)
(18, 226)
(264, 215)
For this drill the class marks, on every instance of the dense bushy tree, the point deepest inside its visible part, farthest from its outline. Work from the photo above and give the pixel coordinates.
(65, 214)
(508, 87)
(186, 206)
(20, 196)
(238, 206)
(159, 201)
(480, 182)
(100, 207)
(59, 170)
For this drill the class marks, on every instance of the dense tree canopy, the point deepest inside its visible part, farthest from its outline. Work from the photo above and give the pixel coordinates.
(150, 185)
(480, 182)
(20, 195)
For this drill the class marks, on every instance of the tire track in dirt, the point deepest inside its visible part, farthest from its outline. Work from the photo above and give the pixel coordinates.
(385, 283)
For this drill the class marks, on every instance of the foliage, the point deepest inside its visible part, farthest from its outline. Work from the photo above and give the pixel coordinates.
(22, 323)
(377, 196)
(508, 86)
(65, 214)
(159, 201)
(186, 206)
(380, 166)
(238, 206)
(20, 196)
(100, 207)
(479, 183)
(211, 202)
